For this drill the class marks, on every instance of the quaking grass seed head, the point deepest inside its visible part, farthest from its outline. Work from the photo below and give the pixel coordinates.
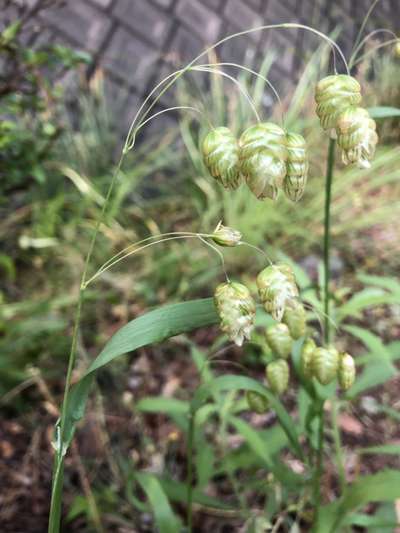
(226, 236)
(396, 49)
(278, 376)
(277, 289)
(295, 319)
(333, 95)
(236, 310)
(306, 358)
(257, 402)
(356, 136)
(295, 180)
(346, 371)
(279, 340)
(263, 155)
(325, 363)
(221, 157)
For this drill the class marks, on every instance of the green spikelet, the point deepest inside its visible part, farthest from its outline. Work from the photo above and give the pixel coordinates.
(295, 180)
(278, 375)
(279, 340)
(356, 136)
(295, 318)
(257, 402)
(236, 310)
(277, 289)
(334, 94)
(226, 236)
(306, 358)
(263, 155)
(221, 157)
(325, 363)
(346, 371)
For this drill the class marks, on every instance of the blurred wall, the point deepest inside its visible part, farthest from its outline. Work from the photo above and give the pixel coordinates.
(137, 42)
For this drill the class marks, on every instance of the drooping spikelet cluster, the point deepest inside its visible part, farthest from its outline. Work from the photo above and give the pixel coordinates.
(236, 310)
(277, 289)
(326, 364)
(278, 293)
(266, 157)
(338, 98)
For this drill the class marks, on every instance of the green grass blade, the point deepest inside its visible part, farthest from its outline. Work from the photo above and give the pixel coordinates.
(165, 519)
(387, 449)
(232, 382)
(153, 327)
(384, 112)
(384, 486)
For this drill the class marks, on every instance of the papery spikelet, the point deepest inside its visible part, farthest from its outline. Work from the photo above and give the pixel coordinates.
(225, 236)
(236, 310)
(325, 363)
(295, 180)
(278, 375)
(279, 340)
(263, 155)
(306, 358)
(356, 136)
(295, 318)
(334, 94)
(257, 402)
(347, 371)
(221, 157)
(277, 289)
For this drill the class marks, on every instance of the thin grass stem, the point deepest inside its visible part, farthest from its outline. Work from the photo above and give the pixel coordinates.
(175, 108)
(258, 75)
(364, 23)
(233, 80)
(338, 444)
(366, 38)
(244, 243)
(147, 239)
(130, 139)
(373, 50)
(219, 253)
(189, 482)
(327, 236)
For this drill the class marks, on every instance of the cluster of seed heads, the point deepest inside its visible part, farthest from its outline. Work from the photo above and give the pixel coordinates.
(279, 294)
(280, 337)
(326, 364)
(338, 98)
(266, 157)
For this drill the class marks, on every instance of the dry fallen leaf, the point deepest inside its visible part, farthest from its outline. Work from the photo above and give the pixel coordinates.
(350, 424)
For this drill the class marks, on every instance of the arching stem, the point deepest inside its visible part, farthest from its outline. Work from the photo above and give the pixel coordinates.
(366, 38)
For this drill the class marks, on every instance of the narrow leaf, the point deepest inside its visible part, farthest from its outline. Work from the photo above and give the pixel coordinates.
(384, 112)
(150, 328)
(387, 449)
(232, 382)
(166, 520)
(384, 486)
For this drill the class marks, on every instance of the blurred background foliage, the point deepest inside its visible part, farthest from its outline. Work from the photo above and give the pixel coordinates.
(55, 165)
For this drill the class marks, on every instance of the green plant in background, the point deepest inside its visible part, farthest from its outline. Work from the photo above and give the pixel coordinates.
(270, 158)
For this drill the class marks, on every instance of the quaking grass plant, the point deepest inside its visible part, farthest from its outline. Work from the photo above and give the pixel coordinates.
(268, 159)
